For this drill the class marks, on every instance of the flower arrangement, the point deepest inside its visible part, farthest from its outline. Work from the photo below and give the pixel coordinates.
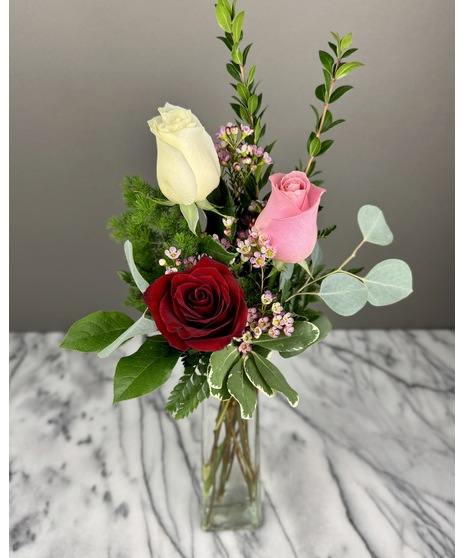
(223, 274)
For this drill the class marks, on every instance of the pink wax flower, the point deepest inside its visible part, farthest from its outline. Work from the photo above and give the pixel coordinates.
(289, 217)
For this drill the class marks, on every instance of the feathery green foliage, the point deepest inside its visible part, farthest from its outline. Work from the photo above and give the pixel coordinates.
(152, 227)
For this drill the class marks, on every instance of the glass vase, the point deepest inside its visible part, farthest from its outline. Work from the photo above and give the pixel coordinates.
(230, 467)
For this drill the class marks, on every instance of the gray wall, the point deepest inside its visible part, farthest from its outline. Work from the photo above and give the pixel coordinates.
(86, 75)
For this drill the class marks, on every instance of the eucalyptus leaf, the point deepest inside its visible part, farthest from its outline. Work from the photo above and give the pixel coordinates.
(141, 283)
(191, 215)
(304, 335)
(274, 378)
(94, 332)
(343, 293)
(145, 370)
(242, 389)
(143, 326)
(388, 282)
(373, 225)
(221, 363)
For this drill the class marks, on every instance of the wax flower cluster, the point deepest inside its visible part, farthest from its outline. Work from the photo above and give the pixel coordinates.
(235, 152)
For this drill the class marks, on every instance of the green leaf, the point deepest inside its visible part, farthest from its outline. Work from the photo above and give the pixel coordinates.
(191, 215)
(215, 250)
(226, 4)
(327, 231)
(286, 274)
(349, 52)
(304, 265)
(343, 293)
(346, 41)
(237, 27)
(274, 378)
(339, 92)
(241, 388)
(346, 68)
(246, 53)
(327, 121)
(320, 92)
(335, 123)
(316, 256)
(328, 77)
(243, 92)
(333, 48)
(324, 325)
(325, 145)
(315, 110)
(94, 332)
(186, 395)
(327, 60)
(256, 378)
(252, 104)
(221, 363)
(223, 17)
(141, 283)
(388, 282)
(373, 225)
(315, 146)
(304, 335)
(236, 55)
(233, 71)
(244, 114)
(251, 76)
(143, 326)
(145, 370)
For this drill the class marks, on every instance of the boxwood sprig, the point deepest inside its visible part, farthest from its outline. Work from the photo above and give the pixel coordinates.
(334, 69)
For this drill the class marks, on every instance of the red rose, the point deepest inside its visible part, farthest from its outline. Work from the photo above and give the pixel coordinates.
(201, 308)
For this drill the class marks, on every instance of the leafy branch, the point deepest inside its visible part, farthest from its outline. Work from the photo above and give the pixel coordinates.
(334, 69)
(247, 103)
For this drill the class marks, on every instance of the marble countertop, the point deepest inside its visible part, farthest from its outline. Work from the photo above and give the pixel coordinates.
(363, 467)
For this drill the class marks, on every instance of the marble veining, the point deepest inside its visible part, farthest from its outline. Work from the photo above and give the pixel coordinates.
(363, 467)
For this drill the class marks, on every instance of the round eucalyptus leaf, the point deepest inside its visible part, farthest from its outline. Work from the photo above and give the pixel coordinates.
(388, 282)
(373, 225)
(343, 293)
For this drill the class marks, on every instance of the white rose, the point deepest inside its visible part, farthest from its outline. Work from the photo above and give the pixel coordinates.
(187, 165)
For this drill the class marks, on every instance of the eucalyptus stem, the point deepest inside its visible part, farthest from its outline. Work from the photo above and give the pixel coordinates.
(340, 269)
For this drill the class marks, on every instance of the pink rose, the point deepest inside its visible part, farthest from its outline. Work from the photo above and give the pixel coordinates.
(289, 217)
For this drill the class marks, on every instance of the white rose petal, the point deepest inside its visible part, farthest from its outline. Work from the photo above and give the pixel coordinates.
(187, 165)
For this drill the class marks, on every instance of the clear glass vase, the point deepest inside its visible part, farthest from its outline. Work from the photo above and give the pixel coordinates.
(230, 467)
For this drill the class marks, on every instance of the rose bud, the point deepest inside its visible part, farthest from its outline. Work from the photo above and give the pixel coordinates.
(289, 217)
(187, 164)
